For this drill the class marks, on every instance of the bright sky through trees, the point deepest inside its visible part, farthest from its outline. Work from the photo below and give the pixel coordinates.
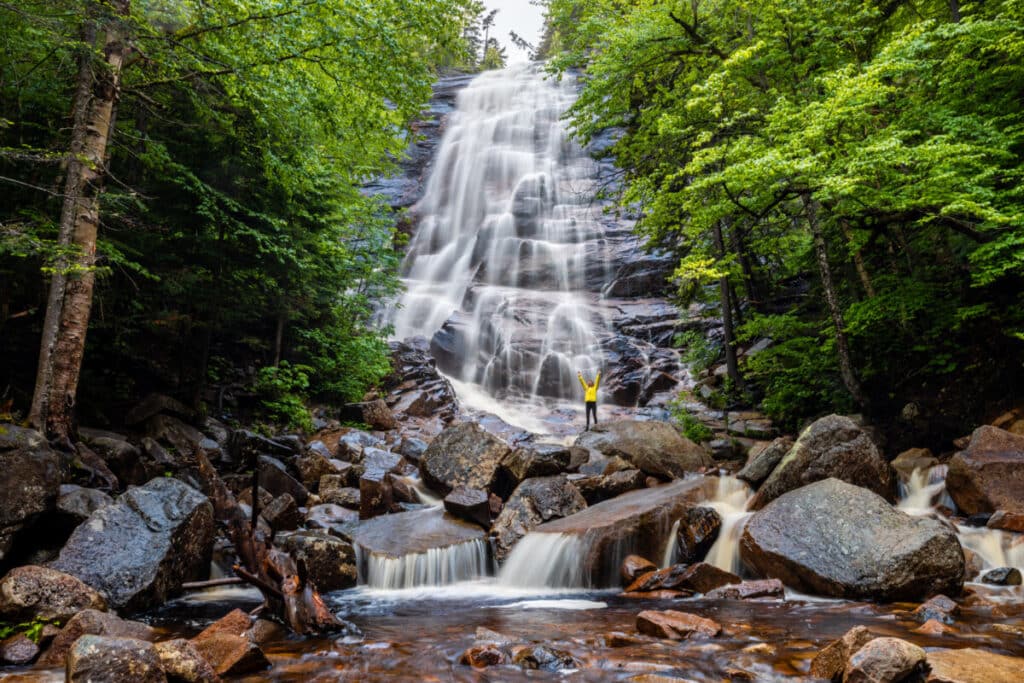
(519, 16)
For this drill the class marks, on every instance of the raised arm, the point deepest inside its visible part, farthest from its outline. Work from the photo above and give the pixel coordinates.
(597, 380)
(582, 381)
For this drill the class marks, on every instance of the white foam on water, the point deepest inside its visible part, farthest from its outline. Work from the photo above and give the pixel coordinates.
(730, 502)
(581, 605)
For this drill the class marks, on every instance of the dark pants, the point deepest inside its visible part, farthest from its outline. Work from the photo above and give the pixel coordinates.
(591, 408)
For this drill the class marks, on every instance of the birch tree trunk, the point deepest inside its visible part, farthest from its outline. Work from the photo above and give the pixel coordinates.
(86, 175)
(846, 369)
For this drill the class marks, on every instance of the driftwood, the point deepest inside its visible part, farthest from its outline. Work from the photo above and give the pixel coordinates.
(288, 592)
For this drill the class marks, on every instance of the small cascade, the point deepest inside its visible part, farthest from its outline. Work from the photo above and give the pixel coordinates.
(671, 546)
(435, 567)
(730, 502)
(425, 495)
(925, 492)
(545, 560)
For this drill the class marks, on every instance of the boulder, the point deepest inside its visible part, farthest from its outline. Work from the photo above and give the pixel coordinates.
(76, 504)
(526, 462)
(1002, 576)
(39, 593)
(416, 532)
(698, 531)
(463, 455)
(988, 475)
(748, 590)
(675, 625)
(155, 404)
(113, 660)
(1007, 521)
(226, 645)
(18, 650)
(972, 665)
(472, 505)
(832, 447)
(163, 533)
(352, 443)
(333, 519)
(762, 461)
(836, 539)
(183, 663)
(275, 478)
(334, 491)
(376, 495)
(245, 446)
(596, 489)
(635, 523)
(885, 660)
(123, 458)
(30, 479)
(182, 439)
(313, 465)
(534, 502)
(330, 562)
(92, 622)
(830, 663)
(378, 415)
(544, 658)
(412, 449)
(282, 514)
(654, 447)
(633, 567)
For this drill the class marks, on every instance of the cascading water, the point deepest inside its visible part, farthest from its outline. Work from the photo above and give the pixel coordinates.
(502, 269)
(543, 560)
(925, 491)
(730, 502)
(435, 567)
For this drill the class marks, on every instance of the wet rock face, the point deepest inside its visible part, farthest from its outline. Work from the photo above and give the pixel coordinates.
(418, 531)
(32, 592)
(534, 502)
(472, 505)
(835, 539)
(415, 388)
(989, 474)
(463, 455)
(698, 531)
(92, 622)
(29, 478)
(163, 533)
(113, 660)
(181, 661)
(884, 660)
(330, 561)
(833, 446)
(656, 448)
(761, 463)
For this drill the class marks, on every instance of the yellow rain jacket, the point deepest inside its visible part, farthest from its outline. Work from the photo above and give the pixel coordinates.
(590, 391)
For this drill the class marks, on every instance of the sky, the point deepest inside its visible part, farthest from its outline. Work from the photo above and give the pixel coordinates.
(519, 16)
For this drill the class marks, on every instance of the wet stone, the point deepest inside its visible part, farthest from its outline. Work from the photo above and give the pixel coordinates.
(113, 660)
(749, 590)
(884, 660)
(472, 505)
(633, 567)
(183, 663)
(675, 625)
(831, 661)
(18, 650)
(92, 622)
(698, 531)
(544, 658)
(483, 656)
(1002, 576)
(939, 608)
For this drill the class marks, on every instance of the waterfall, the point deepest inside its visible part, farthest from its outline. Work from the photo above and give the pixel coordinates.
(730, 502)
(545, 560)
(925, 491)
(509, 256)
(435, 567)
(668, 558)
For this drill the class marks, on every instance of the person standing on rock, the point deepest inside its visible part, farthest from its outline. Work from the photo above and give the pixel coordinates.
(590, 396)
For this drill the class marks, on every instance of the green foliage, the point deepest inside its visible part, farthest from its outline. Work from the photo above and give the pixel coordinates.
(283, 390)
(699, 352)
(33, 630)
(693, 429)
(234, 215)
(899, 128)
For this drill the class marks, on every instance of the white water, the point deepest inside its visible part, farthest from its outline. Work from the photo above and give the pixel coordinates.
(925, 491)
(544, 560)
(425, 495)
(668, 558)
(435, 567)
(501, 249)
(730, 502)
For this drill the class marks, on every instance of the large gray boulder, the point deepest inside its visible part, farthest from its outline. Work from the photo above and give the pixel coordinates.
(988, 475)
(138, 551)
(29, 478)
(39, 593)
(833, 446)
(330, 562)
(654, 447)
(113, 660)
(836, 539)
(463, 455)
(534, 502)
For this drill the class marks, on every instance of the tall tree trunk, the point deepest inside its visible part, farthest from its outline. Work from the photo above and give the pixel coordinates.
(954, 9)
(72, 196)
(858, 260)
(725, 294)
(846, 369)
(69, 346)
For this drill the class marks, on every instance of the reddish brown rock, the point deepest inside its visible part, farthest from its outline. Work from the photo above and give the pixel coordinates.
(971, 665)
(657, 595)
(1007, 521)
(884, 660)
(696, 578)
(830, 663)
(698, 531)
(675, 625)
(235, 622)
(483, 656)
(633, 567)
(92, 622)
(988, 475)
(620, 639)
(749, 590)
(933, 627)
(230, 654)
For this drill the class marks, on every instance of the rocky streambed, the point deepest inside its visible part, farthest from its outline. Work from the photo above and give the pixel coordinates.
(629, 554)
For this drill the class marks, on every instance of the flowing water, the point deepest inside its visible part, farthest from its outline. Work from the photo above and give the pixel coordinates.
(509, 245)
